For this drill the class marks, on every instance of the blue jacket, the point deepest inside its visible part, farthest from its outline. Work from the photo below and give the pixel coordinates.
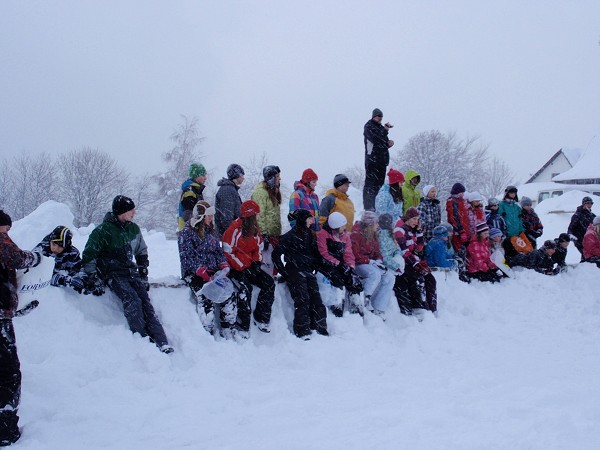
(384, 204)
(195, 252)
(437, 255)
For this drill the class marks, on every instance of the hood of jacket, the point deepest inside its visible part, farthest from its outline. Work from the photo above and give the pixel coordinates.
(189, 182)
(227, 182)
(338, 194)
(409, 175)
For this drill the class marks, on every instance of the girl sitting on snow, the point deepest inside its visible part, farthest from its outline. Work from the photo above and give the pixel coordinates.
(201, 257)
(378, 282)
(243, 245)
(591, 242)
(337, 261)
(479, 262)
(409, 236)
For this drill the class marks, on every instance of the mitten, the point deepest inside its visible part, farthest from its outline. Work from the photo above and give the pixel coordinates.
(202, 272)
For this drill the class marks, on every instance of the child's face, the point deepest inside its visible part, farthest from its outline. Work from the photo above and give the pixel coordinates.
(497, 238)
(56, 249)
(527, 207)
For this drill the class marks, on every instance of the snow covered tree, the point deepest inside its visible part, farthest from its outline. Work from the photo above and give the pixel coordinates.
(186, 139)
(498, 176)
(27, 181)
(90, 179)
(253, 174)
(356, 174)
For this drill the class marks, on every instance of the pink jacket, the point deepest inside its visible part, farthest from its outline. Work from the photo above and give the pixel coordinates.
(479, 257)
(344, 237)
(591, 243)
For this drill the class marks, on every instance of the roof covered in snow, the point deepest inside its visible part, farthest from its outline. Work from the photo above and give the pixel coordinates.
(587, 166)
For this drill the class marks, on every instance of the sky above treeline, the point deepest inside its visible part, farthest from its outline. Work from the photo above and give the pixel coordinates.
(297, 80)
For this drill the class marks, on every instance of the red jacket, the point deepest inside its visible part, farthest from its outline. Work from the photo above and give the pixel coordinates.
(11, 258)
(409, 240)
(456, 208)
(241, 251)
(479, 258)
(363, 250)
(591, 243)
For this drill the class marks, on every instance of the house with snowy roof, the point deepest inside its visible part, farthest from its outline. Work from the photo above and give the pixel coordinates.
(562, 161)
(585, 171)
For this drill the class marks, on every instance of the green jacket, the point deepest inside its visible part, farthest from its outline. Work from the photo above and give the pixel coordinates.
(410, 194)
(111, 248)
(269, 219)
(511, 211)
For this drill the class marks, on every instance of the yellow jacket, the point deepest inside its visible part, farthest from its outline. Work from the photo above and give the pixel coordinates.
(337, 201)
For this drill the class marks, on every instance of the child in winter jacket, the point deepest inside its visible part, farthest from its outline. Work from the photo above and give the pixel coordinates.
(305, 197)
(299, 250)
(510, 210)
(560, 255)
(493, 219)
(228, 201)
(436, 250)
(410, 193)
(431, 213)
(338, 200)
(479, 263)
(475, 212)
(191, 193)
(389, 198)
(539, 260)
(243, 246)
(591, 242)
(409, 236)
(377, 281)
(67, 261)
(456, 208)
(580, 221)
(201, 257)
(531, 222)
(337, 261)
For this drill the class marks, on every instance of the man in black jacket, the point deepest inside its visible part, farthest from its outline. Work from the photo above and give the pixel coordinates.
(377, 157)
(580, 221)
(299, 249)
(228, 202)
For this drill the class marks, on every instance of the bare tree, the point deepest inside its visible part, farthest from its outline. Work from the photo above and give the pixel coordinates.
(90, 178)
(186, 139)
(356, 174)
(444, 159)
(498, 176)
(28, 181)
(253, 174)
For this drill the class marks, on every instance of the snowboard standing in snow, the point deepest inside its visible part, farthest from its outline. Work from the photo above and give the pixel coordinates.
(11, 258)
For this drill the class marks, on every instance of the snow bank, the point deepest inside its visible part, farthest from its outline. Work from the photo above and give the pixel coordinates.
(505, 366)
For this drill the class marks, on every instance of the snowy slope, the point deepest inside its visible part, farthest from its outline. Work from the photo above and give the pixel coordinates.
(507, 366)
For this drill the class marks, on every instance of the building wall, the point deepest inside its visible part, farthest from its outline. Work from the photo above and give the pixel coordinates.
(559, 165)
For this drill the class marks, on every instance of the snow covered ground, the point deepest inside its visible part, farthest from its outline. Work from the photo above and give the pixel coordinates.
(509, 366)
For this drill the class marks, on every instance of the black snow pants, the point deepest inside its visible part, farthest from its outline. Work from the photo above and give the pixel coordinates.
(375, 167)
(408, 292)
(245, 279)
(138, 309)
(10, 384)
(309, 311)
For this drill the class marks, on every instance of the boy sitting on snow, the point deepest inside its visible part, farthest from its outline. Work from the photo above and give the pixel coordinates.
(539, 260)
(58, 244)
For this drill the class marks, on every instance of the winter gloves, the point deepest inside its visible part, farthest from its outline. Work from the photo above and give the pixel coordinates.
(422, 268)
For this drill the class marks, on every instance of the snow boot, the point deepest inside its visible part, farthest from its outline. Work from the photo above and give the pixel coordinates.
(167, 349)
(368, 305)
(264, 327)
(337, 310)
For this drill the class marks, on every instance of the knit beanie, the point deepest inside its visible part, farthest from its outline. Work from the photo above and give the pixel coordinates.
(249, 208)
(411, 213)
(426, 189)
(196, 170)
(336, 220)
(495, 232)
(440, 232)
(457, 188)
(340, 179)
(395, 176)
(61, 236)
(596, 221)
(526, 201)
(474, 197)
(270, 172)
(234, 171)
(564, 237)
(201, 210)
(299, 216)
(493, 201)
(385, 222)
(308, 175)
(449, 227)
(481, 227)
(121, 205)
(550, 245)
(5, 219)
(376, 112)
(587, 200)
(369, 218)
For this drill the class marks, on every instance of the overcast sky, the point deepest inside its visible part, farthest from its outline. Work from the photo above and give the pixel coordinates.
(297, 80)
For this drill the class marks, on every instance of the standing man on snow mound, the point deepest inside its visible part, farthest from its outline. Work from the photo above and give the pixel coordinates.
(108, 256)
(191, 193)
(377, 157)
(11, 258)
